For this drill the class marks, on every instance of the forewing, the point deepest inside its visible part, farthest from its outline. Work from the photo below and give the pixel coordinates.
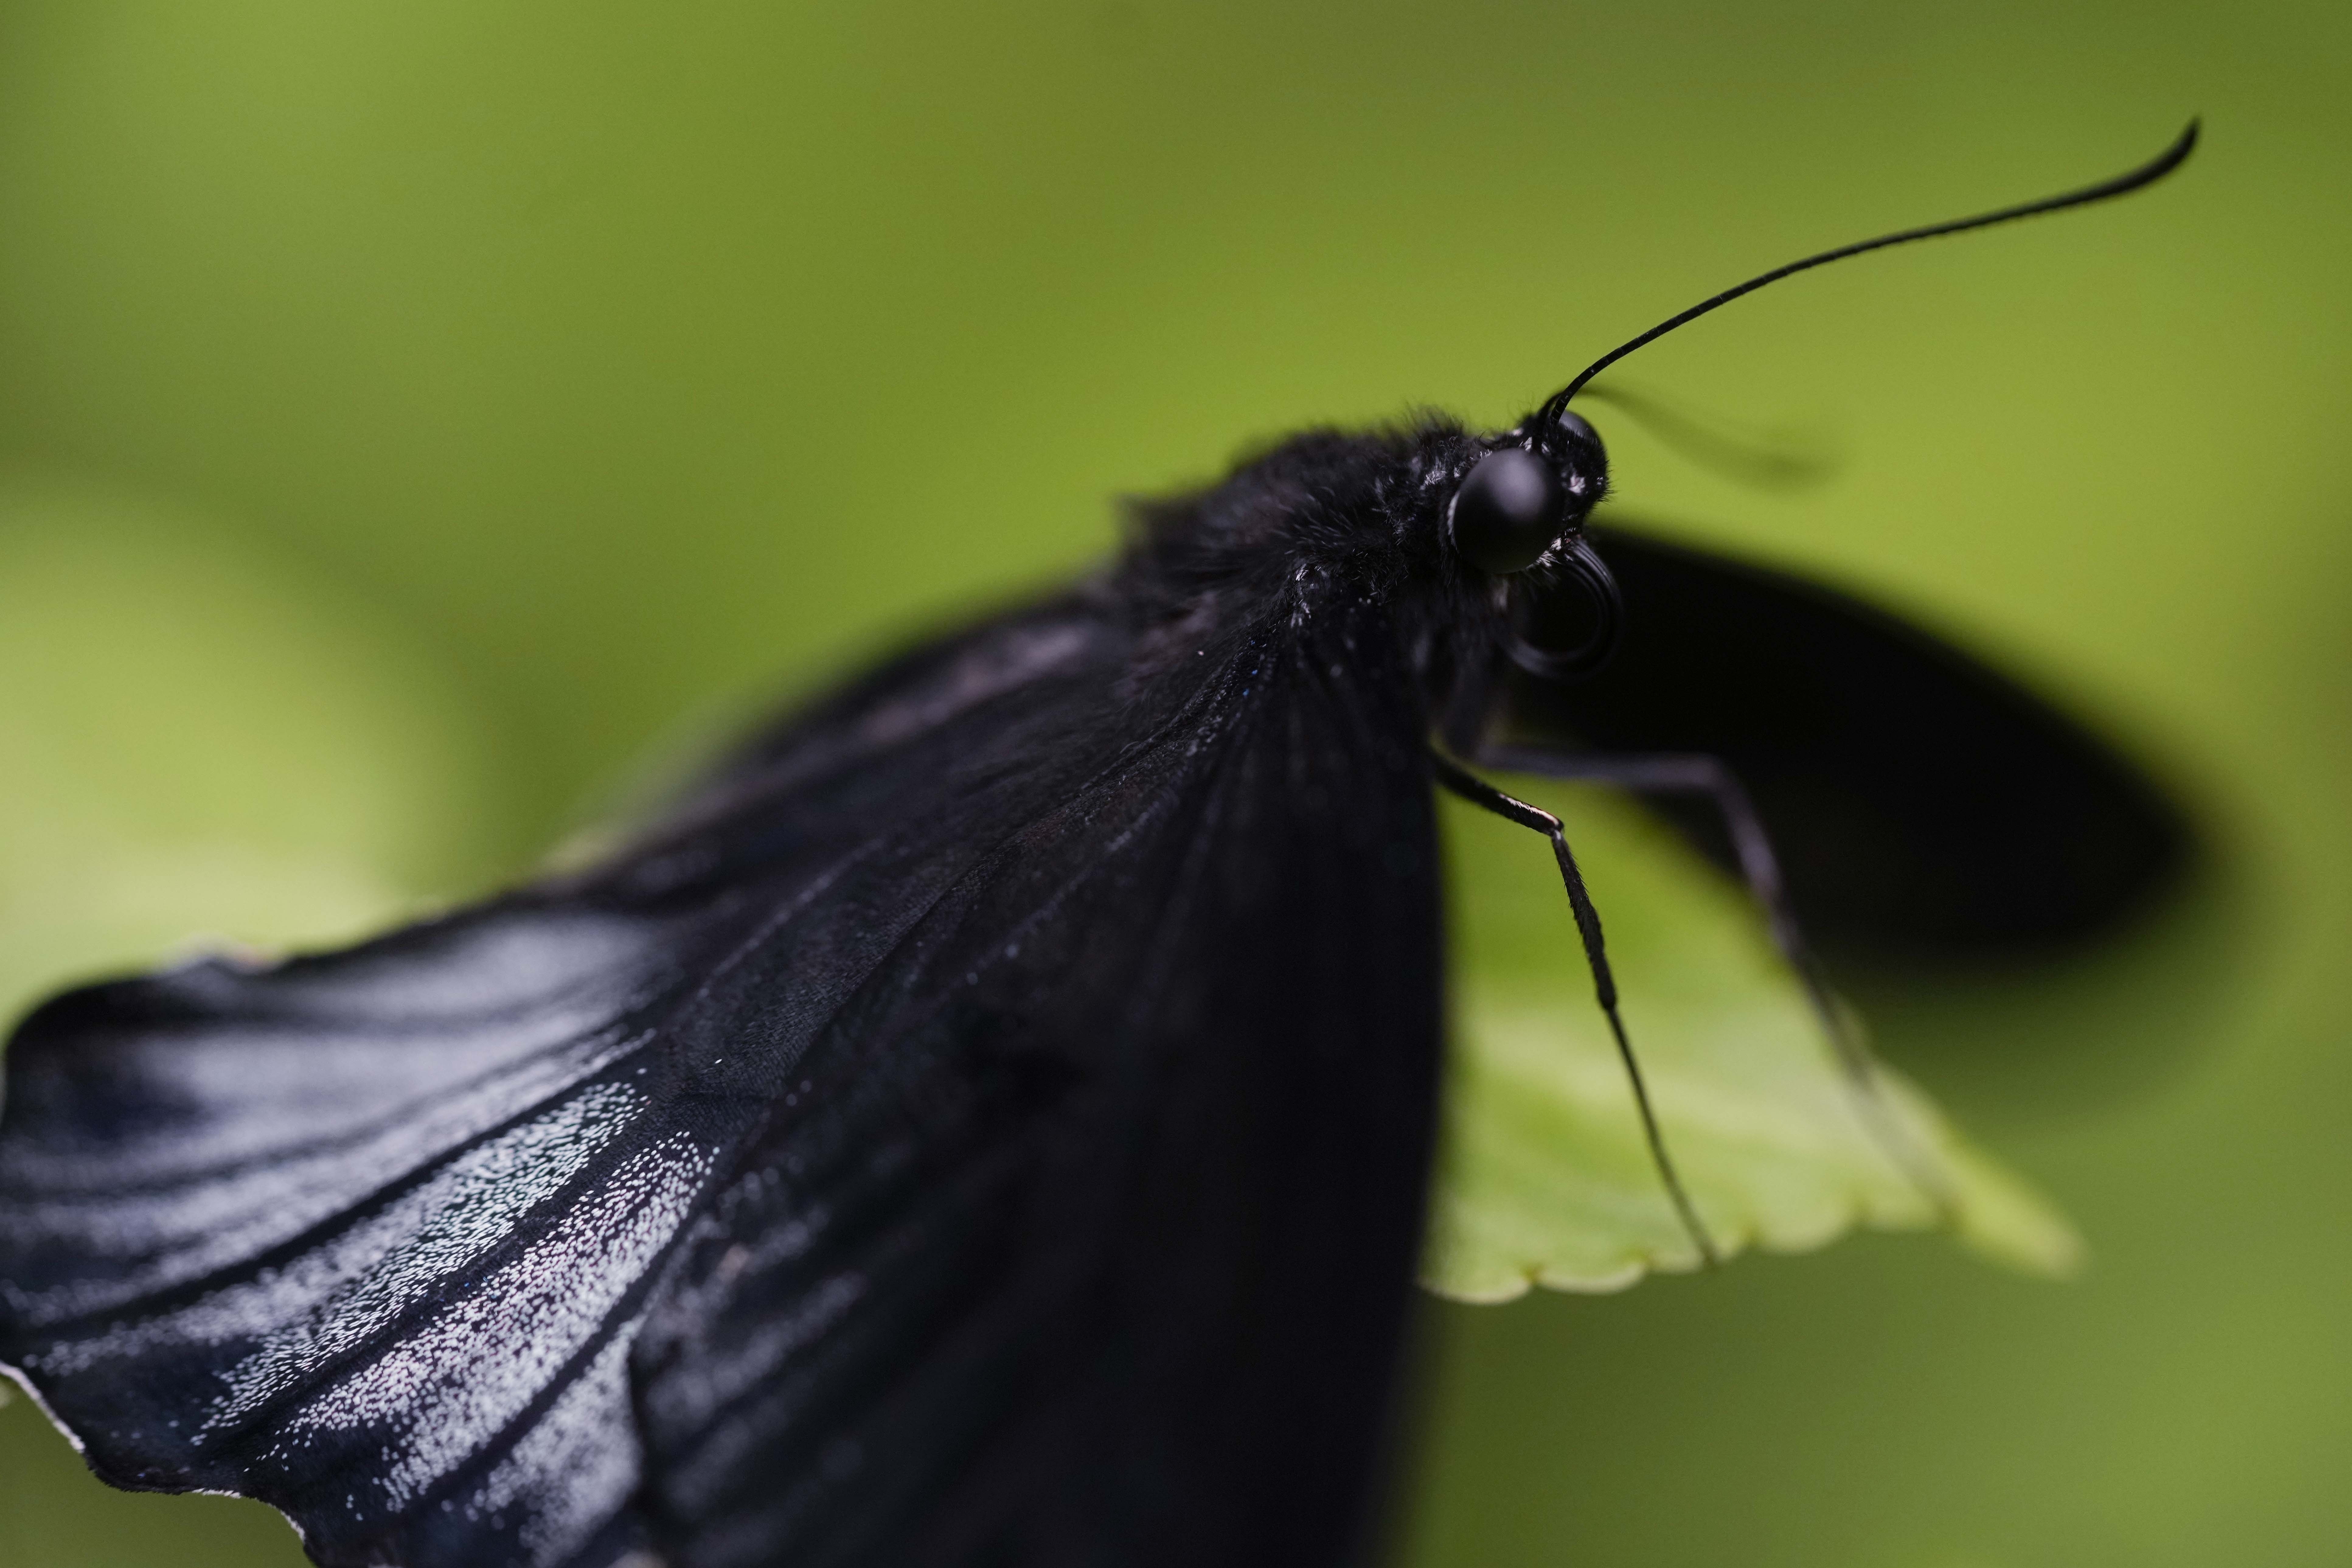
(1090, 1239)
(988, 1118)
(336, 1234)
(1923, 805)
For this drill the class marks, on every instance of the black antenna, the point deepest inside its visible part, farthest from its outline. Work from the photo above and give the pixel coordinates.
(2145, 174)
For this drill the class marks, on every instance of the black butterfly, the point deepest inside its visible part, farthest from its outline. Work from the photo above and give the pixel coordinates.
(987, 1120)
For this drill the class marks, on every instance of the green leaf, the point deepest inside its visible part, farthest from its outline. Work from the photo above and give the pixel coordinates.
(1544, 1177)
(200, 747)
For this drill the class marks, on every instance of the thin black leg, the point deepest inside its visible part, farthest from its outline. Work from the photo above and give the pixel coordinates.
(1479, 793)
(1699, 775)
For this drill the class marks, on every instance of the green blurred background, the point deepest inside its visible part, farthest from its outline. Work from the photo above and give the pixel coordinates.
(410, 416)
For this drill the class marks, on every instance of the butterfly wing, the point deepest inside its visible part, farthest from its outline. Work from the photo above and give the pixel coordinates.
(988, 1122)
(1922, 804)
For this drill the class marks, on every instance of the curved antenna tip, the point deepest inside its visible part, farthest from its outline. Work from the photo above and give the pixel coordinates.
(2178, 153)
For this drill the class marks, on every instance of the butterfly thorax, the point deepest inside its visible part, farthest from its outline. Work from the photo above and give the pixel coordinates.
(1322, 519)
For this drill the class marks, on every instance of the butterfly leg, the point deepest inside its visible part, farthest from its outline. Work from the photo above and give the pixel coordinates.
(1708, 777)
(1480, 793)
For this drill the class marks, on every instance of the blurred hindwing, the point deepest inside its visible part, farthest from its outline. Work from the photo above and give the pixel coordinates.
(1924, 805)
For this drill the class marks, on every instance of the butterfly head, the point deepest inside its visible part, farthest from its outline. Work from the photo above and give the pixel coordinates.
(1518, 516)
(1528, 496)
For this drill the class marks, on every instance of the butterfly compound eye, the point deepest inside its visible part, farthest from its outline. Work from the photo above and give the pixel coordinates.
(1509, 510)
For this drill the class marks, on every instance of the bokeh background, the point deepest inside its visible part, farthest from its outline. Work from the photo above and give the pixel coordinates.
(412, 415)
